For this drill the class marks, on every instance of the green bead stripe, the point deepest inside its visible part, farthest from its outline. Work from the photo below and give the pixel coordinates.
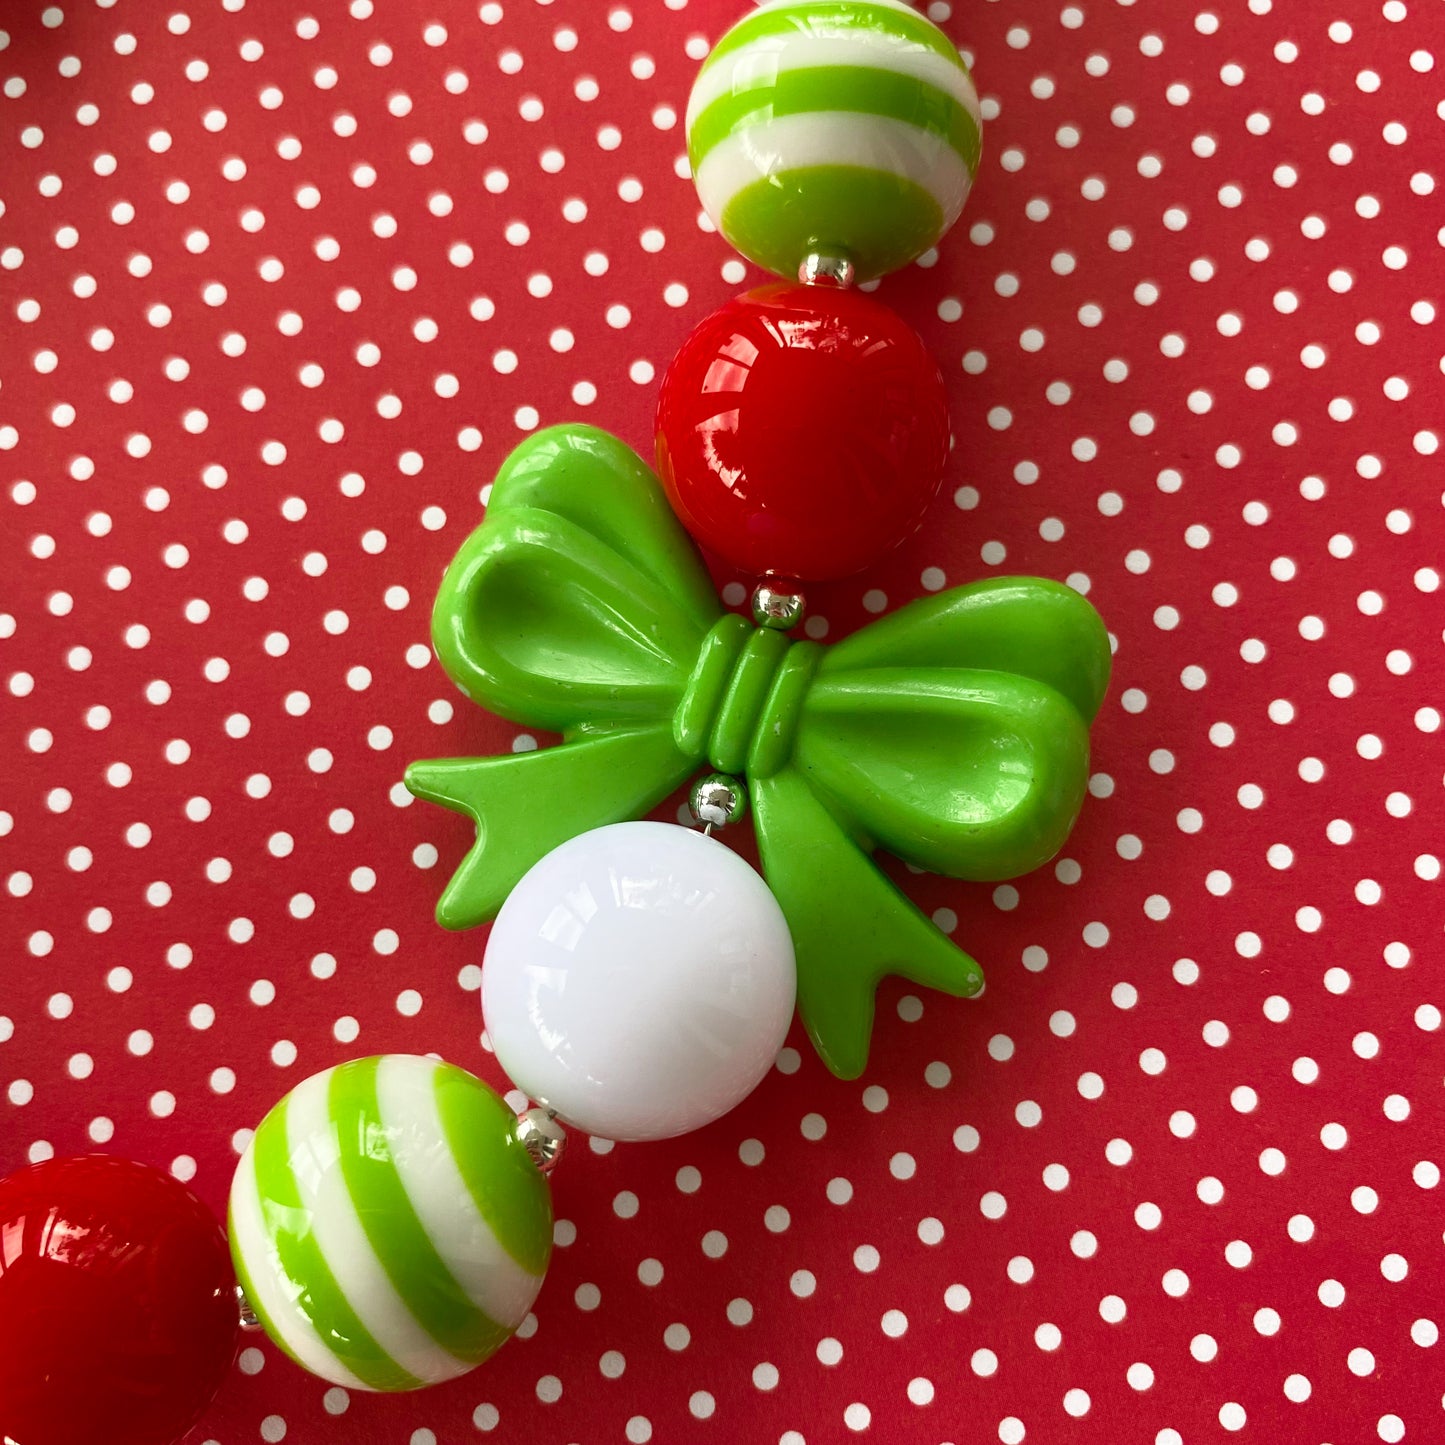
(507, 1188)
(319, 1297)
(784, 21)
(879, 219)
(856, 88)
(392, 1227)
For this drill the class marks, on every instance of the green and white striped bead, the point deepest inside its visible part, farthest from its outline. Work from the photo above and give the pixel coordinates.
(387, 1225)
(842, 127)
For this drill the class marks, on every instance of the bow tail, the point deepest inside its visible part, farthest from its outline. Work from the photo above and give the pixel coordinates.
(528, 803)
(850, 925)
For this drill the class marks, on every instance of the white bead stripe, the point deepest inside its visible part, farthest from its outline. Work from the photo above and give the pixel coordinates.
(313, 1154)
(471, 1251)
(833, 138)
(252, 1241)
(773, 55)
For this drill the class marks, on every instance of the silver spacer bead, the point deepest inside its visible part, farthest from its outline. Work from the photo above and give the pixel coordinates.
(542, 1137)
(248, 1317)
(717, 800)
(777, 608)
(818, 266)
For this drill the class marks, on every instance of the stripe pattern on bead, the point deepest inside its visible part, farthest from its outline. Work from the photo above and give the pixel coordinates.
(850, 124)
(387, 1225)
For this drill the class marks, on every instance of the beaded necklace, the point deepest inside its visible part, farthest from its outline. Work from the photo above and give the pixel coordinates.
(390, 1222)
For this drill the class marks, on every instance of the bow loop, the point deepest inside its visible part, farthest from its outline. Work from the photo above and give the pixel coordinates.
(579, 600)
(964, 772)
(1029, 626)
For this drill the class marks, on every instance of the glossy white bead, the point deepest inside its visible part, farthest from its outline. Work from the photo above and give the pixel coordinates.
(639, 980)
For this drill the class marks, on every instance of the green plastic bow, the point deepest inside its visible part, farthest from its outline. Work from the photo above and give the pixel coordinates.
(953, 733)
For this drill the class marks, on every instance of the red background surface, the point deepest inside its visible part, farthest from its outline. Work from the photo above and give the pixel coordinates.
(1212, 408)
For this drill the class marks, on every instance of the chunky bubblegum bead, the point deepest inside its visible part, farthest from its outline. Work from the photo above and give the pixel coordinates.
(802, 431)
(118, 1310)
(837, 126)
(389, 1224)
(639, 980)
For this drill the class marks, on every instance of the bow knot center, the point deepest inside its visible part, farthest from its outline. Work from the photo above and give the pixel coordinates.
(741, 704)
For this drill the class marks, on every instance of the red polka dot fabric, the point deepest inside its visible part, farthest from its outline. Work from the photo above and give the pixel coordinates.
(283, 282)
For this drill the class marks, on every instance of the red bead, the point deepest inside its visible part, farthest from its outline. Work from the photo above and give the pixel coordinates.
(118, 1309)
(802, 431)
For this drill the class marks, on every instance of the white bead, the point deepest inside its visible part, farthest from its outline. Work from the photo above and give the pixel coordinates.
(639, 980)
